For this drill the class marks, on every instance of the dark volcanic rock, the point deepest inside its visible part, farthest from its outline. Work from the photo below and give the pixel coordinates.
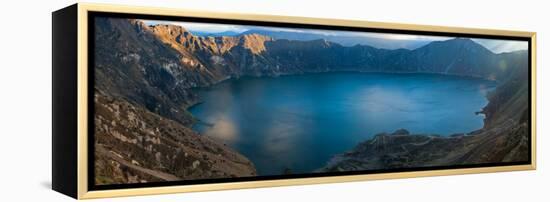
(506, 143)
(401, 132)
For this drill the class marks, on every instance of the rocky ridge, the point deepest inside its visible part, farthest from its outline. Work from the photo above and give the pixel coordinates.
(168, 60)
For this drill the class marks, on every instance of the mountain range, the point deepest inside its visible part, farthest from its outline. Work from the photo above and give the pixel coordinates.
(344, 40)
(167, 60)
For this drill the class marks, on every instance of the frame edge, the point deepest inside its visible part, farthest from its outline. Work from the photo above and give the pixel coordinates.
(85, 193)
(533, 99)
(64, 96)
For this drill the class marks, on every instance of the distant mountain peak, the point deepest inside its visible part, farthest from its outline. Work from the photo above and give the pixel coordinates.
(463, 39)
(457, 44)
(465, 42)
(457, 40)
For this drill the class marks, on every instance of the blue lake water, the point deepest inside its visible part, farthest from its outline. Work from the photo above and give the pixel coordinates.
(299, 122)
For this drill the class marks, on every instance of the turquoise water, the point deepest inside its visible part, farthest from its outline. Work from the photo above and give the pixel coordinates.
(297, 123)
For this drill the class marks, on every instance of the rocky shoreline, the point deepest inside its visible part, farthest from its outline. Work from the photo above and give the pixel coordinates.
(507, 143)
(504, 138)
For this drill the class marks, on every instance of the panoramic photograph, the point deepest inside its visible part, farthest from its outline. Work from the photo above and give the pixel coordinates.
(184, 101)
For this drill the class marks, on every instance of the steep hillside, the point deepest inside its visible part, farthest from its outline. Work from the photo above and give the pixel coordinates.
(511, 98)
(131, 62)
(133, 145)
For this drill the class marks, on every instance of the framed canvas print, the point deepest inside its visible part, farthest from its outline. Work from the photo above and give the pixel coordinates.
(155, 100)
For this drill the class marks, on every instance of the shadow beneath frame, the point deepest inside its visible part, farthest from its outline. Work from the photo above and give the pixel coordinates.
(46, 184)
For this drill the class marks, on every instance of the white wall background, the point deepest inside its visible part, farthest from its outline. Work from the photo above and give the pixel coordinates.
(25, 104)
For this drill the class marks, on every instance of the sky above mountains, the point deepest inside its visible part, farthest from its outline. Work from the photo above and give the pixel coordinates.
(349, 38)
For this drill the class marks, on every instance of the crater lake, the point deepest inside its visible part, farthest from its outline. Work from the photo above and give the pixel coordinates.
(296, 123)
